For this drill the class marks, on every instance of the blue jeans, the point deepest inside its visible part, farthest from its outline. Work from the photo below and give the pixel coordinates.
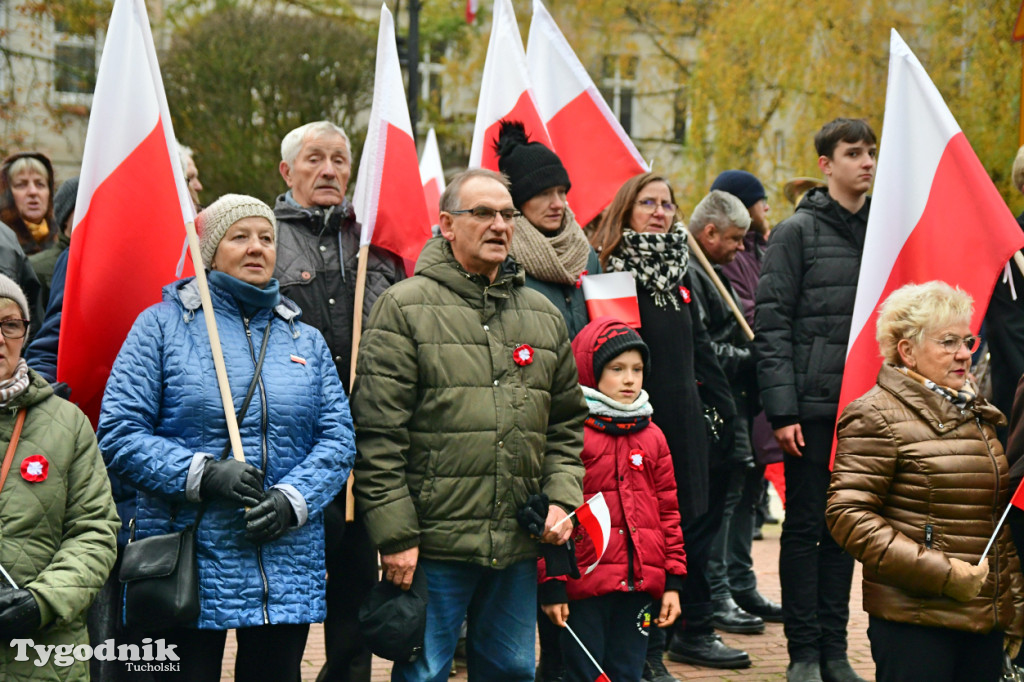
(500, 607)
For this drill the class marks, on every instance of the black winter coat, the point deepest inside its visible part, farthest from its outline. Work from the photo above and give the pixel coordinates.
(682, 356)
(313, 273)
(1004, 331)
(734, 353)
(804, 308)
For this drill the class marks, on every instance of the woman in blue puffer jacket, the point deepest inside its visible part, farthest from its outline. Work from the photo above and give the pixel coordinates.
(260, 543)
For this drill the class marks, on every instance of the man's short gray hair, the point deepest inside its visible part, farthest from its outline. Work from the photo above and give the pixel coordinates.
(293, 141)
(450, 198)
(721, 209)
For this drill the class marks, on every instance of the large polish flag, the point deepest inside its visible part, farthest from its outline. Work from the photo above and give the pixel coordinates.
(432, 177)
(592, 144)
(505, 90)
(935, 214)
(131, 210)
(388, 197)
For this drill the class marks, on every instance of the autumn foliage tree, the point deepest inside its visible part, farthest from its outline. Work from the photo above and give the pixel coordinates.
(756, 81)
(238, 80)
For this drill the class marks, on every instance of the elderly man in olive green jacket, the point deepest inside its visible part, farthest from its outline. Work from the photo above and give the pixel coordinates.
(466, 403)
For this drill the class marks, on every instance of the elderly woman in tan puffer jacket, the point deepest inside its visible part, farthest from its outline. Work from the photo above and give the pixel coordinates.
(918, 485)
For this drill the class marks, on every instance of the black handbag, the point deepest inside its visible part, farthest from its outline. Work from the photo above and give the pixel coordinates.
(159, 574)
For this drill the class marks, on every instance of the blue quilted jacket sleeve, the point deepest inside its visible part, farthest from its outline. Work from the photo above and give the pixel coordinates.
(131, 406)
(324, 470)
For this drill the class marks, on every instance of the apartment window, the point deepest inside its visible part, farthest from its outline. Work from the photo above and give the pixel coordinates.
(75, 62)
(618, 86)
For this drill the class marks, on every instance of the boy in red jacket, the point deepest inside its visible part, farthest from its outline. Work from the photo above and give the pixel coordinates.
(626, 458)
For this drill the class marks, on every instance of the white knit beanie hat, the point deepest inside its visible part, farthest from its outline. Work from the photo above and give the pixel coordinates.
(214, 220)
(10, 289)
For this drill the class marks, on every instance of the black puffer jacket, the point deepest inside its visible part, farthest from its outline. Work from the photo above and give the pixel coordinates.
(313, 273)
(804, 307)
(733, 351)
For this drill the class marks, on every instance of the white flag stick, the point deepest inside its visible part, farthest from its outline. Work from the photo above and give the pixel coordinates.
(992, 539)
(571, 514)
(7, 577)
(592, 660)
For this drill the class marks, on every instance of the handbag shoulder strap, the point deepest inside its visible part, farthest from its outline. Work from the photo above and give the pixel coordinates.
(242, 410)
(11, 447)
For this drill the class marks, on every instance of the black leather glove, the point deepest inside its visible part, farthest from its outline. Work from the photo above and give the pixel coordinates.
(19, 614)
(534, 514)
(231, 480)
(270, 519)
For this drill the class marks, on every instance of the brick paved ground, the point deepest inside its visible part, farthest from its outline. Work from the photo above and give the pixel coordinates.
(768, 650)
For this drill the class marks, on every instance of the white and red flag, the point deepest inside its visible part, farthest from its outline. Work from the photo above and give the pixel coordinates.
(131, 210)
(472, 6)
(388, 197)
(432, 177)
(593, 515)
(505, 90)
(592, 144)
(935, 214)
(612, 294)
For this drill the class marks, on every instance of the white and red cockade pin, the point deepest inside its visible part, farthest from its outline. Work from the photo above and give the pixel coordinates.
(296, 358)
(35, 468)
(523, 355)
(636, 459)
(685, 293)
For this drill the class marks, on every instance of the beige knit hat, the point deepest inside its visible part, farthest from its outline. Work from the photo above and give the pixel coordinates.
(214, 220)
(10, 289)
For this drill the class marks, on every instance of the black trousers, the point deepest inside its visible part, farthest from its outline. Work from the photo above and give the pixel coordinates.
(268, 652)
(698, 537)
(814, 572)
(614, 628)
(104, 622)
(351, 573)
(908, 653)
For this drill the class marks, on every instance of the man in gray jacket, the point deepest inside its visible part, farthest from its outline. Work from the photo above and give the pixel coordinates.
(317, 255)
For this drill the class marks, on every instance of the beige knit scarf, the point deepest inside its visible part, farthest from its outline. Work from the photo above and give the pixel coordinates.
(559, 259)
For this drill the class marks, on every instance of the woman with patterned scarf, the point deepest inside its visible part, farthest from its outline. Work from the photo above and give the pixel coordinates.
(547, 240)
(638, 234)
(918, 485)
(57, 514)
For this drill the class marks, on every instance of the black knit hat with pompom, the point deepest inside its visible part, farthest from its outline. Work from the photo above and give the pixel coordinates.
(530, 166)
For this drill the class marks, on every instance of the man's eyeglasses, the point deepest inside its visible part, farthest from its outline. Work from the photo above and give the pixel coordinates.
(651, 205)
(13, 329)
(952, 344)
(485, 214)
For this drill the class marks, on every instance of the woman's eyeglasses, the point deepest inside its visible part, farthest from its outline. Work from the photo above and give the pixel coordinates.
(651, 205)
(13, 329)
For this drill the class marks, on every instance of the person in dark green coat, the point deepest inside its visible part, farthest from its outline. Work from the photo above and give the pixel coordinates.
(58, 517)
(547, 242)
(467, 404)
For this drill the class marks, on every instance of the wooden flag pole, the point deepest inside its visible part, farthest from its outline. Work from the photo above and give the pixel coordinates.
(1018, 259)
(706, 264)
(357, 334)
(215, 348)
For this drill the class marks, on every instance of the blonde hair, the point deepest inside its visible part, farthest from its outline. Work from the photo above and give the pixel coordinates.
(913, 309)
(30, 163)
(1018, 171)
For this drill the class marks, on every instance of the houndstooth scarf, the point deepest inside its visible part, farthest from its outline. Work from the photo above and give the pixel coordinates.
(657, 260)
